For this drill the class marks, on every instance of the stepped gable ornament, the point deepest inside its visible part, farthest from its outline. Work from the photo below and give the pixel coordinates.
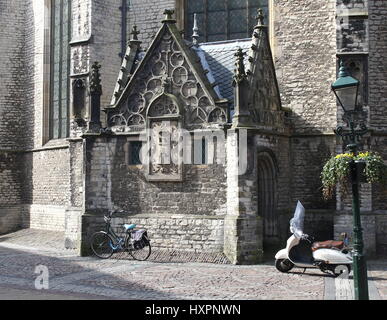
(134, 36)
(95, 79)
(261, 19)
(169, 16)
(94, 125)
(242, 117)
(195, 34)
(134, 33)
(240, 73)
(169, 68)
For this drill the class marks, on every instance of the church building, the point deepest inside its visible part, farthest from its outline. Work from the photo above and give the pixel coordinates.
(202, 121)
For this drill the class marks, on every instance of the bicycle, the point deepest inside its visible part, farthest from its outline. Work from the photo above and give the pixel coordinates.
(136, 242)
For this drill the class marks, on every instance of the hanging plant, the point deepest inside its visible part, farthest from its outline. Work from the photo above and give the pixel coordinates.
(337, 171)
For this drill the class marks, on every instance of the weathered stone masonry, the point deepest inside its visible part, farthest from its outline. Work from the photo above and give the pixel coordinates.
(69, 184)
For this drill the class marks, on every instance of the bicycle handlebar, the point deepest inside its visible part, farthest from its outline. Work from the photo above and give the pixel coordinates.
(111, 212)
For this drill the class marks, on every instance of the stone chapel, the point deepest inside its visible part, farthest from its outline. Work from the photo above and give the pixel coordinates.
(88, 85)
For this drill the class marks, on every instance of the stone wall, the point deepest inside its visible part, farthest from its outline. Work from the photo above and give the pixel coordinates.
(364, 32)
(308, 157)
(184, 215)
(381, 234)
(179, 231)
(378, 64)
(304, 50)
(344, 223)
(112, 183)
(379, 191)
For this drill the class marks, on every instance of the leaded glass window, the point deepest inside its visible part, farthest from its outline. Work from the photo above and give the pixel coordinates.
(223, 19)
(60, 68)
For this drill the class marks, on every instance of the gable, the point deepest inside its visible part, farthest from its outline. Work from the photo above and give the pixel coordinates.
(171, 68)
(264, 102)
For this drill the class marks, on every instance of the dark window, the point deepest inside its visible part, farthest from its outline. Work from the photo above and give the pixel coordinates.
(357, 65)
(60, 67)
(223, 19)
(134, 152)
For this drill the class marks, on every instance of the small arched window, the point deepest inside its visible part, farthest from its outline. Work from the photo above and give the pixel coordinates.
(223, 19)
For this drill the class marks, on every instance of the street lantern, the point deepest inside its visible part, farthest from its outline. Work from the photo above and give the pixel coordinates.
(346, 89)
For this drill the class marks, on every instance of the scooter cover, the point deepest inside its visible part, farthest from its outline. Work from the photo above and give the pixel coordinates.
(297, 222)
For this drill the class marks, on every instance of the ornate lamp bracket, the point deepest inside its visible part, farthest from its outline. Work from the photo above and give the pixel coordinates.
(356, 130)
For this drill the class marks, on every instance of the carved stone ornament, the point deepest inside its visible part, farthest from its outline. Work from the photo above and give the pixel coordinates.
(165, 151)
(164, 70)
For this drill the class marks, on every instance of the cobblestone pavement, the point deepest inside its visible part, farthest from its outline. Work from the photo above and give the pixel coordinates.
(377, 271)
(72, 277)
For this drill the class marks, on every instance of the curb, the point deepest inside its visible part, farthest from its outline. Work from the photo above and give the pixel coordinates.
(330, 289)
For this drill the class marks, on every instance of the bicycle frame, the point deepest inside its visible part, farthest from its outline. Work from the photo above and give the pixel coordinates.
(118, 241)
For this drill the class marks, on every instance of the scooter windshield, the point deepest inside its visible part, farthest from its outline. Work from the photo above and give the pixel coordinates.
(297, 222)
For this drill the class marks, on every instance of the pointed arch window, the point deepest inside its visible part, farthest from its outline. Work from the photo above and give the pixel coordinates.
(60, 68)
(223, 19)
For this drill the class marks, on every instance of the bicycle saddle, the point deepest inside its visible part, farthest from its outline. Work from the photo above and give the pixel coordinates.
(129, 226)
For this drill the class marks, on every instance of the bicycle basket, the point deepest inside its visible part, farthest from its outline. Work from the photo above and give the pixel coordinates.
(140, 238)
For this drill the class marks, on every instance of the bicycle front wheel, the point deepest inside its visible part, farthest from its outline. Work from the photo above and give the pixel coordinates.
(102, 245)
(140, 250)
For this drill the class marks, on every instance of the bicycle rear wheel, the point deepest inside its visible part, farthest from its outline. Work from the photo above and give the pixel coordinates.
(101, 244)
(140, 250)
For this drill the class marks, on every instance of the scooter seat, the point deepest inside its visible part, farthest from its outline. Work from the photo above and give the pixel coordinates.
(329, 244)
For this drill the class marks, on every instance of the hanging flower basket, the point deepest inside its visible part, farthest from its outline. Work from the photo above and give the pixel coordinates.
(370, 168)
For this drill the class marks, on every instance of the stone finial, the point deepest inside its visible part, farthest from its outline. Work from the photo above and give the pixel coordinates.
(94, 124)
(260, 18)
(195, 29)
(134, 33)
(240, 73)
(95, 79)
(169, 16)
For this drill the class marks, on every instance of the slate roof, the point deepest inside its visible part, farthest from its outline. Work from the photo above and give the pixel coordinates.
(220, 60)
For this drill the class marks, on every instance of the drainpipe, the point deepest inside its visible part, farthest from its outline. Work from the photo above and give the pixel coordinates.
(124, 13)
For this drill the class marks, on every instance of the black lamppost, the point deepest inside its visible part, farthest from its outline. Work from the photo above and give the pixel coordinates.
(346, 90)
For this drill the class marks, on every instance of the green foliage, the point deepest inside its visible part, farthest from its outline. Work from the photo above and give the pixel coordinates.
(336, 170)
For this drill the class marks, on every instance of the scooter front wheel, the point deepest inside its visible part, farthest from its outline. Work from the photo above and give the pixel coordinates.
(284, 265)
(341, 269)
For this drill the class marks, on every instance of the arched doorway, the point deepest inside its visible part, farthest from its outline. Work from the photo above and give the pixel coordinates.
(267, 199)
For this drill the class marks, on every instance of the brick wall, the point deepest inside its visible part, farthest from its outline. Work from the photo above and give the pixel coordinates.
(12, 102)
(47, 177)
(13, 76)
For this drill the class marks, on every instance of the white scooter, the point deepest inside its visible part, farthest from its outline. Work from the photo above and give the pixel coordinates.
(301, 251)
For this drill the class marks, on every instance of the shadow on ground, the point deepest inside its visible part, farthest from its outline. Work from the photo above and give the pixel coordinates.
(18, 271)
